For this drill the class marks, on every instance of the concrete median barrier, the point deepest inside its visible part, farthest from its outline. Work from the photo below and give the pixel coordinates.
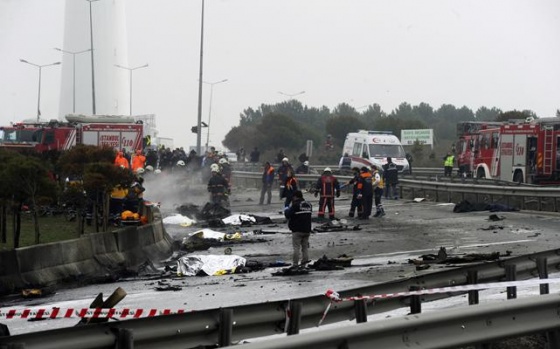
(88, 257)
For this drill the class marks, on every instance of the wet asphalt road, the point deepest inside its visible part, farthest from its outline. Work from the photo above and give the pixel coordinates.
(381, 250)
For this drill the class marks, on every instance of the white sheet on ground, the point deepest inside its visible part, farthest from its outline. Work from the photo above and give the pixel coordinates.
(238, 218)
(209, 264)
(209, 234)
(179, 220)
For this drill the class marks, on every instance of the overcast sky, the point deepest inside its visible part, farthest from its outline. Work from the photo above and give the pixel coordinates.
(503, 54)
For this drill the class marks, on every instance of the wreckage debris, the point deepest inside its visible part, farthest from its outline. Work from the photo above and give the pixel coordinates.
(36, 292)
(339, 263)
(292, 271)
(443, 258)
(466, 206)
(335, 225)
(114, 299)
(168, 288)
(496, 218)
(493, 227)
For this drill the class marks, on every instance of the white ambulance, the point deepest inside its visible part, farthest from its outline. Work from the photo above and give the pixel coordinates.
(372, 148)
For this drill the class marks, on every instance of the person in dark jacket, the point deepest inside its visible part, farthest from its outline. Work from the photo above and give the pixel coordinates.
(267, 180)
(255, 155)
(328, 187)
(290, 187)
(303, 168)
(391, 178)
(299, 222)
(283, 169)
(355, 203)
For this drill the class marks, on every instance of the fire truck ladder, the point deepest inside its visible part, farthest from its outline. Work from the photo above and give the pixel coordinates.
(548, 150)
(78, 136)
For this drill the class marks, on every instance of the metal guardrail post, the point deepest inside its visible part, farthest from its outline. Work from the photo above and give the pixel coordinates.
(225, 327)
(4, 331)
(125, 338)
(415, 302)
(295, 318)
(511, 270)
(553, 338)
(472, 279)
(543, 273)
(360, 308)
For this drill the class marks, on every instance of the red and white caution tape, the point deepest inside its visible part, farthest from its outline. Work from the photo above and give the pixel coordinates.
(335, 297)
(94, 313)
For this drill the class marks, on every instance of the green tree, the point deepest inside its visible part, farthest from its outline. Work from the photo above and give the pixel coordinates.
(29, 179)
(485, 114)
(424, 112)
(91, 169)
(403, 112)
(372, 114)
(417, 151)
(339, 126)
(344, 109)
(99, 180)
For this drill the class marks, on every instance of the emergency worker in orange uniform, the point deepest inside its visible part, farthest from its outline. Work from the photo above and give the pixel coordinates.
(121, 161)
(138, 161)
(364, 192)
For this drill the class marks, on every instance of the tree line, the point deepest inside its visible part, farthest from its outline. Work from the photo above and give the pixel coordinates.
(289, 124)
(84, 175)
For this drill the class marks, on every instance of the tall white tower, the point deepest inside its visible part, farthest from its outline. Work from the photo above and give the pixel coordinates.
(109, 48)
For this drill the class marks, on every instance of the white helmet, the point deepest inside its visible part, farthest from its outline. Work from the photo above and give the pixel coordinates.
(285, 159)
(149, 168)
(215, 168)
(327, 169)
(306, 163)
(180, 163)
(223, 161)
(139, 170)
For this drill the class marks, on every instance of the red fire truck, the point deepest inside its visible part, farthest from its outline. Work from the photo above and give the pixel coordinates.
(56, 135)
(519, 151)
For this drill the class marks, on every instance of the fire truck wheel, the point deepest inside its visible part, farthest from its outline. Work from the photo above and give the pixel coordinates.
(518, 177)
(480, 173)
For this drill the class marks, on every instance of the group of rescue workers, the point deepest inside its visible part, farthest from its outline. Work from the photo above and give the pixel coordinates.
(367, 186)
(214, 168)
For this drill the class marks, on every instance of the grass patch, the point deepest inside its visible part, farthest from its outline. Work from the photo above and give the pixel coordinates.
(52, 229)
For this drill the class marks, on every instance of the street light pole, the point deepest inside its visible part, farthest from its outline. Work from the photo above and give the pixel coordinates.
(291, 95)
(92, 61)
(39, 92)
(199, 118)
(210, 107)
(73, 74)
(130, 70)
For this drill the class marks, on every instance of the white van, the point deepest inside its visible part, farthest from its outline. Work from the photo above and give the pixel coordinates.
(371, 148)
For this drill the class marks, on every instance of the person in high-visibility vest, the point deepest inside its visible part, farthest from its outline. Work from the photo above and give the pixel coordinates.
(448, 162)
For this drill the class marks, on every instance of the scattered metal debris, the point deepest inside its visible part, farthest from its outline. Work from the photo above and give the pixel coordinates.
(443, 258)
